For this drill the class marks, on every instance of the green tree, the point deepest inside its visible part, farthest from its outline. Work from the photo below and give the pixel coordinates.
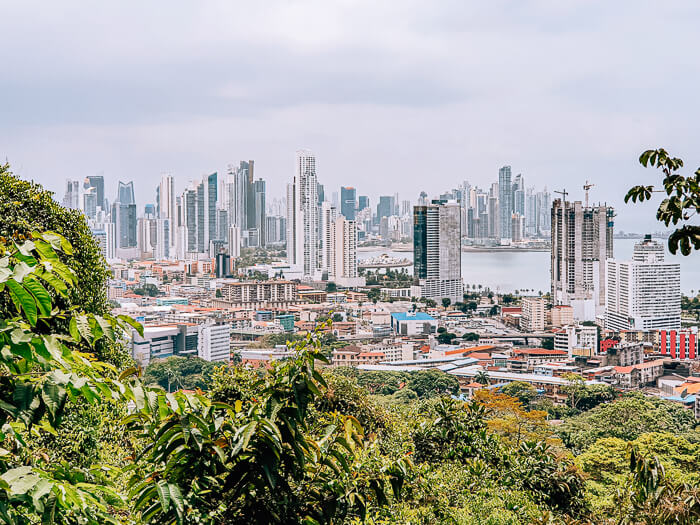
(682, 201)
(331, 287)
(627, 419)
(523, 392)
(432, 382)
(470, 336)
(26, 207)
(482, 377)
(148, 289)
(446, 302)
(446, 338)
(175, 372)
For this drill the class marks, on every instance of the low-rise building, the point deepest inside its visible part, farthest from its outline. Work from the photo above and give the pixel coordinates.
(636, 376)
(413, 323)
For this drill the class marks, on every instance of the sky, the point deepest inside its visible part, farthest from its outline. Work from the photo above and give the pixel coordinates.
(391, 96)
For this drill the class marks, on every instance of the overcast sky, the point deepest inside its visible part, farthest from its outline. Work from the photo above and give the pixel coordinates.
(397, 96)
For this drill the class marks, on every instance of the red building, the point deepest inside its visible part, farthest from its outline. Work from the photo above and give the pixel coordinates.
(679, 344)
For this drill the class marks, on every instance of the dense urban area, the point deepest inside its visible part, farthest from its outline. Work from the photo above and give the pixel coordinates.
(218, 357)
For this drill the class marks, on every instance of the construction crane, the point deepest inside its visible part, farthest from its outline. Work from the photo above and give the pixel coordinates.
(587, 187)
(562, 193)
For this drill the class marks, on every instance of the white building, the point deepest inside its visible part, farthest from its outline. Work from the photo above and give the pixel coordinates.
(302, 215)
(328, 216)
(343, 254)
(533, 316)
(644, 293)
(577, 340)
(214, 342)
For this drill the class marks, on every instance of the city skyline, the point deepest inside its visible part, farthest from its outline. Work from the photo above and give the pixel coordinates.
(435, 87)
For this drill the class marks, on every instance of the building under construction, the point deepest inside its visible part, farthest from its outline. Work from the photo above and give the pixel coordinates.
(582, 239)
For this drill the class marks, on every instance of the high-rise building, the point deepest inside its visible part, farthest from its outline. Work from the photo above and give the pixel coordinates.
(505, 204)
(165, 203)
(582, 240)
(348, 202)
(342, 268)
(302, 215)
(437, 250)
(124, 218)
(385, 208)
(97, 182)
(259, 211)
(71, 198)
(211, 189)
(234, 241)
(644, 293)
(125, 193)
(362, 202)
(276, 229)
(90, 203)
(328, 217)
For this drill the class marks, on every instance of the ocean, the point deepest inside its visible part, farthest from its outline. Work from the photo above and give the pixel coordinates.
(529, 272)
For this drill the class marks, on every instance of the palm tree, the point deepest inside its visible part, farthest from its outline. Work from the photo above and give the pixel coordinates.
(482, 377)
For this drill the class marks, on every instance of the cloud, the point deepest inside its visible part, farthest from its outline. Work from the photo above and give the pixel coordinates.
(390, 96)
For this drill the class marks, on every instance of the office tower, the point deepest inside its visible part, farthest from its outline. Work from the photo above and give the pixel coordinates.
(211, 187)
(146, 237)
(517, 227)
(532, 213)
(259, 210)
(644, 293)
(505, 204)
(162, 248)
(234, 241)
(328, 217)
(90, 203)
(125, 193)
(347, 202)
(582, 239)
(343, 254)
(437, 250)
(423, 199)
(276, 229)
(322, 193)
(165, 203)
(71, 198)
(493, 218)
(97, 182)
(544, 206)
(302, 215)
(518, 189)
(149, 210)
(334, 200)
(406, 208)
(385, 208)
(362, 202)
(222, 265)
(124, 218)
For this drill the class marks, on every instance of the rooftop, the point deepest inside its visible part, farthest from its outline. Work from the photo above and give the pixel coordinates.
(412, 316)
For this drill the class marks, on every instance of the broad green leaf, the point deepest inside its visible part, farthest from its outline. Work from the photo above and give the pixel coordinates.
(43, 299)
(21, 479)
(163, 494)
(131, 322)
(23, 301)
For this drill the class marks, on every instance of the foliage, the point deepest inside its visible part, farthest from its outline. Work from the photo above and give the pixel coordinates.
(331, 287)
(151, 290)
(260, 463)
(432, 382)
(584, 397)
(41, 373)
(26, 207)
(482, 377)
(175, 373)
(681, 204)
(446, 301)
(446, 338)
(627, 419)
(470, 336)
(523, 392)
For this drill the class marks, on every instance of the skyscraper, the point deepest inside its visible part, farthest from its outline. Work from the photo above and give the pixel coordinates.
(362, 202)
(385, 208)
(125, 193)
(328, 217)
(211, 186)
(347, 202)
(259, 210)
(343, 253)
(582, 239)
(505, 204)
(97, 182)
(71, 198)
(303, 216)
(437, 250)
(165, 204)
(90, 203)
(644, 293)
